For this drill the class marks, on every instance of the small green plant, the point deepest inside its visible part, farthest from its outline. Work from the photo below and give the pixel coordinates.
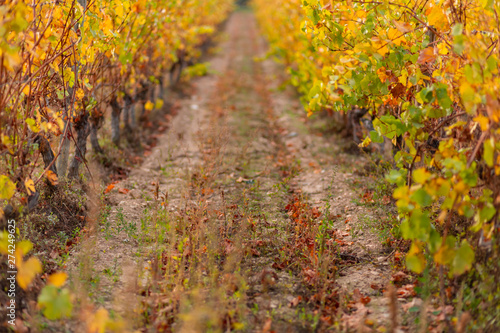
(122, 225)
(105, 222)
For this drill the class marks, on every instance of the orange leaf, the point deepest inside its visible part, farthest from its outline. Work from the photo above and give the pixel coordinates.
(109, 188)
(52, 177)
(365, 300)
(57, 279)
(426, 55)
(123, 191)
(404, 27)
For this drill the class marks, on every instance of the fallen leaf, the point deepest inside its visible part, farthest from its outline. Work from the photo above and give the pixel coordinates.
(406, 291)
(123, 190)
(415, 303)
(241, 180)
(20, 327)
(109, 188)
(267, 326)
(294, 302)
(399, 276)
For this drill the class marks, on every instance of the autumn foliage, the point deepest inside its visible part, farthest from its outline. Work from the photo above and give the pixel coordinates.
(428, 72)
(62, 65)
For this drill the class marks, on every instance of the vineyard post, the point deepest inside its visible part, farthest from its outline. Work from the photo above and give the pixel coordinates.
(115, 121)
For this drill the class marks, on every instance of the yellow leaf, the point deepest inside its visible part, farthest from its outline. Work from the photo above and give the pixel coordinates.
(97, 323)
(421, 175)
(80, 94)
(461, 187)
(32, 125)
(27, 89)
(366, 142)
(12, 60)
(30, 186)
(360, 14)
(27, 270)
(437, 18)
(7, 142)
(52, 177)
(107, 26)
(7, 188)
(119, 10)
(483, 122)
(22, 248)
(57, 14)
(415, 260)
(395, 36)
(383, 50)
(442, 48)
(149, 106)
(469, 96)
(444, 255)
(57, 279)
(4, 239)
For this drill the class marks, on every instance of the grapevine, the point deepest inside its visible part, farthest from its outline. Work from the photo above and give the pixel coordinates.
(62, 63)
(429, 75)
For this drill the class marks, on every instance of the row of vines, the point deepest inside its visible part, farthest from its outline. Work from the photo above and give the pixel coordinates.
(65, 67)
(426, 73)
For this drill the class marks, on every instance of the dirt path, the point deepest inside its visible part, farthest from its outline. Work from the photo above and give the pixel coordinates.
(241, 218)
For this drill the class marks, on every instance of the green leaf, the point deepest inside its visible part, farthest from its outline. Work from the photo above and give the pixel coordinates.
(395, 177)
(55, 303)
(442, 96)
(395, 124)
(457, 29)
(435, 241)
(487, 213)
(315, 90)
(445, 253)
(473, 73)
(375, 137)
(468, 95)
(18, 24)
(421, 197)
(464, 258)
(415, 260)
(486, 4)
(418, 226)
(7, 188)
(32, 125)
(459, 44)
(489, 152)
(415, 263)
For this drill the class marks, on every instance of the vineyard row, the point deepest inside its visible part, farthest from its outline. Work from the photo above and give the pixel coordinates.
(63, 64)
(423, 76)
